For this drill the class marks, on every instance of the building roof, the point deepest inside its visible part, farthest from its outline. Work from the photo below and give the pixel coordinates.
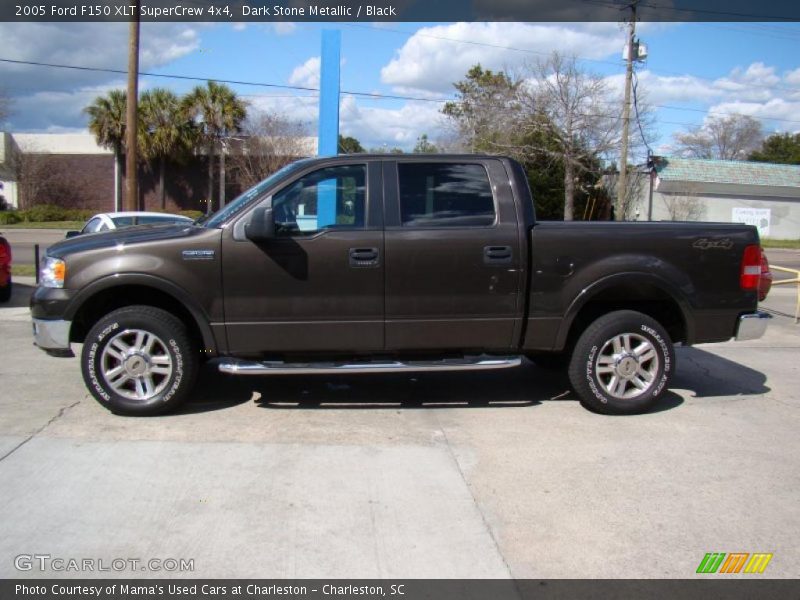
(727, 172)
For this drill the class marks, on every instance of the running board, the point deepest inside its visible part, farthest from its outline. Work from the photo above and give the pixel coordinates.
(245, 367)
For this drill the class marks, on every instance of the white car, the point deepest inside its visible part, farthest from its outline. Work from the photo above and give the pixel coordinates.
(118, 220)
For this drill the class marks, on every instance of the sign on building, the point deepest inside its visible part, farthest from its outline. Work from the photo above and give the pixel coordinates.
(760, 217)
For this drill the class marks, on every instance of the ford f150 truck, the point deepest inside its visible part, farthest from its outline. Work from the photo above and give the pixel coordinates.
(380, 263)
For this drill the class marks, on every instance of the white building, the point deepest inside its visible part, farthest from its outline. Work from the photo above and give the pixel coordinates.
(762, 194)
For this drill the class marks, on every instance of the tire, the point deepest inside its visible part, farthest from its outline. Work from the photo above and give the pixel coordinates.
(615, 376)
(5, 292)
(139, 360)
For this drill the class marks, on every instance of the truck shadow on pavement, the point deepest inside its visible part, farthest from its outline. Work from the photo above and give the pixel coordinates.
(520, 387)
(703, 374)
(710, 375)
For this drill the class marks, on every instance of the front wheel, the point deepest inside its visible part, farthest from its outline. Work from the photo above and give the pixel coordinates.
(622, 363)
(139, 360)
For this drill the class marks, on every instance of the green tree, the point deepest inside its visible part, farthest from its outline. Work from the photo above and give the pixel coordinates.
(490, 116)
(485, 100)
(423, 146)
(219, 113)
(164, 132)
(107, 123)
(783, 148)
(349, 145)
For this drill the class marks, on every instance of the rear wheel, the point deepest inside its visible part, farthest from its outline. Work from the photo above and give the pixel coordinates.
(622, 363)
(139, 360)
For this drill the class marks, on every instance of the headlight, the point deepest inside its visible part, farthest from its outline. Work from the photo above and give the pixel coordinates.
(52, 272)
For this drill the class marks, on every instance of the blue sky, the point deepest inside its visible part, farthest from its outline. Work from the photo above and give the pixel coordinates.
(746, 68)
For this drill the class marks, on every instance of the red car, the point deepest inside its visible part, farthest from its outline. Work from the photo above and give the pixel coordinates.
(5, 270)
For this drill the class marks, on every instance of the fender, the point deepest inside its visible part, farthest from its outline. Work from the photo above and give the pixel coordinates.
(585, 296)
(163, 285)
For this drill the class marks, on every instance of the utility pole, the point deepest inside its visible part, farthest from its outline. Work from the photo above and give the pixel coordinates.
(131, 183)
(626, 117)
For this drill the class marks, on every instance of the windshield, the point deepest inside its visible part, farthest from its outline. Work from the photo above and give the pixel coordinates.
(242, 201)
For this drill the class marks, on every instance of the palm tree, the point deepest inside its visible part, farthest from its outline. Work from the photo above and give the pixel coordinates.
(107, 123)
(221, 114)
(164, 132)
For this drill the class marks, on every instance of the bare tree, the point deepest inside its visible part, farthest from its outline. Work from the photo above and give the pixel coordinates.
(565, 113)
(5, 106)
(635, 186)
(40, 179)
(684, 206)
(731, 137)
(269, 141)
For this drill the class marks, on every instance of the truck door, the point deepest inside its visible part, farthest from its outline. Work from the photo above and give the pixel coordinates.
(452, 255)
(317, 286)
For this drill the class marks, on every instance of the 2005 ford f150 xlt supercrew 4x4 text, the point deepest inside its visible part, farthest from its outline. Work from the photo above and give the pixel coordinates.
(384, 263)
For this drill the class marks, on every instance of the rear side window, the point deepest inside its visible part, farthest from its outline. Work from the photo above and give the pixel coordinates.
(445, 195)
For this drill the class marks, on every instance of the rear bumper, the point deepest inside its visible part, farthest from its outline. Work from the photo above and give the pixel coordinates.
(752, 326)
(52, 336)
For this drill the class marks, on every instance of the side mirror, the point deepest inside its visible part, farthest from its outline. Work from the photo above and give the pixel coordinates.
(261, 226)
(72, 234)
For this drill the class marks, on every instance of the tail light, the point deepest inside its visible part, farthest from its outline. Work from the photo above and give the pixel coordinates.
(751, 268)
(765, 281)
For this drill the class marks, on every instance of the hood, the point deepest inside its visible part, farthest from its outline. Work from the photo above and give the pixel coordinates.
(138, 234)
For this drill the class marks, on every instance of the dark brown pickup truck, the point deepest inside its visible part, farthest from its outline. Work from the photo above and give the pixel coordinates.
(370, 263)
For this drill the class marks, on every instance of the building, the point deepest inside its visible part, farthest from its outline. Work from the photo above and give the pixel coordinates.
(762, 194)
(71, 170)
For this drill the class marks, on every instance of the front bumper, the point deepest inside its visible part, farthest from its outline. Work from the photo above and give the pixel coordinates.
(752, 326)
(52, 336)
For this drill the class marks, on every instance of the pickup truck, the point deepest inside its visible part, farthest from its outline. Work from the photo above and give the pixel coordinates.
(385, 263)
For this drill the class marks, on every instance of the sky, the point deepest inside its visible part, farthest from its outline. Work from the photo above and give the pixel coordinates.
(693, 70)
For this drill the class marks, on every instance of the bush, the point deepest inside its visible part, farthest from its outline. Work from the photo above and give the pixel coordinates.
(46, 212)
(192, 214)
(79, 214)
(9, 217)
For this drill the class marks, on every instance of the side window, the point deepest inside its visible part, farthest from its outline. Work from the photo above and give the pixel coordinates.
(93, 226)
(333, 197)
(120, 222)
(445, 195)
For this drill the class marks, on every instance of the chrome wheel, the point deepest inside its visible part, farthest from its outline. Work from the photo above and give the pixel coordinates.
(136, 364)
(627, 365)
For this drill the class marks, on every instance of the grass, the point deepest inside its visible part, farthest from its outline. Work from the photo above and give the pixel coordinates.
(23, 270)
(768, 243)
(45, 225)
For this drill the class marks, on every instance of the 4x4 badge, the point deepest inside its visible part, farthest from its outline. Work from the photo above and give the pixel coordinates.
(719, 244)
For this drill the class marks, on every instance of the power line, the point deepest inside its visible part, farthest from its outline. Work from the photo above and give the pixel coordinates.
(219, 80)
(721, 13)
(367, 95)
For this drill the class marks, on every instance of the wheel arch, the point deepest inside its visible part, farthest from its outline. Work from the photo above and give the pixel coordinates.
(642, 292)
(117, 291)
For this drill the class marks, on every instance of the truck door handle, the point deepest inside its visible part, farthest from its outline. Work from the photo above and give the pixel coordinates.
(364, 257)
(494, 255)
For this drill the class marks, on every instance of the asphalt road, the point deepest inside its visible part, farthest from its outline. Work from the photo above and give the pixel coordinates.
(23, 240)
(487, 475)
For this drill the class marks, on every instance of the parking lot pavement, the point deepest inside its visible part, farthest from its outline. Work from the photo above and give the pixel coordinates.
(491, 474)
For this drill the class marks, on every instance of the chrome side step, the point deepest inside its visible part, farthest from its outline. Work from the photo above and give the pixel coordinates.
(246, 367)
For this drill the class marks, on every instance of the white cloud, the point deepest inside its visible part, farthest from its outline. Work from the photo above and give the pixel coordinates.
(307, 74)
(284, 27)
(429, 63)
(47, 97)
